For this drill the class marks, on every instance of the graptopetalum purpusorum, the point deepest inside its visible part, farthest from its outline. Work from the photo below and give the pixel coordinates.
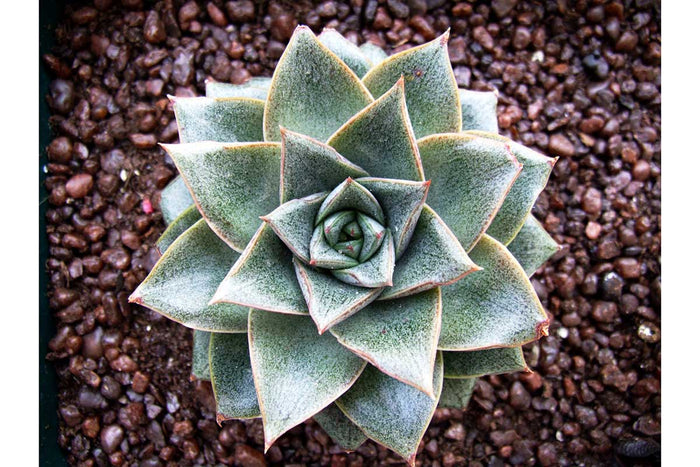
(351, 240)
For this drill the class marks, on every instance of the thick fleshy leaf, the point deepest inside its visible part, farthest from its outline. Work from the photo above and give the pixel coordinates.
(380, 138)
(533, 246)
(523, 193)
(484, 362)
(348, 52)
(232, 184)
(494, 307)
(183, 222)
(312, 91)
(351, 248)
(326, 257)
(399, 337)
(431, 89)
(376, 272)
(470, 178)
(390, 412)
(339, 427)
(293, 222)
(183, 281)
(255, 88)
(232, 377)
(401, 202)
(329, 300)
(227, 120)
(309, 166)
(200, 355)
(372, 233)
(263, 277)
(174, 199)
(479, 110)
(334, 225)
(350, 195)
(373, 53)
(434, 257)
(456, 393)
(297, 372)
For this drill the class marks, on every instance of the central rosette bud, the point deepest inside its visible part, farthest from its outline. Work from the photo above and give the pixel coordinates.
(352, 233)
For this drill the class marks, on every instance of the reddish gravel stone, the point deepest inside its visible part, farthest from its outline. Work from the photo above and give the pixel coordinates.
(79, 185)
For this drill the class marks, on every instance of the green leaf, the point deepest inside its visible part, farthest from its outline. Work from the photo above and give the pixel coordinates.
(339, 427)
(254, 88)
(350, 195)
(174, 200)
(297, 372)
(376, 272)
(456, 393)
(401, 202)
(484, 362)
(470, 178)
(348, 52)
(183, 222)
(533, 246)
(479, 110)
(233, 184)
(293, 222)
(200, 355)
(232, 377)
(334, 225)
(309, 166)
(390, 412)
(431, 89)
(380, 138)
(399, 337)
(523, 193)
(184, 279)
(263, 277)
(312, 92)
(372, 233)
(373, 53)
(329, 300)
(227, 120)
(434, 257)
(324, 256)
(494, 307)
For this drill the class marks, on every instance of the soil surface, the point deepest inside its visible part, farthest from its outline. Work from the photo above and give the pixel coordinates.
(577, 79)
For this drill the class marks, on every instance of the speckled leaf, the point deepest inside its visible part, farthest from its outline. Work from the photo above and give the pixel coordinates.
(431, 89)
(263, 277)
(401, 202)
(183, 222)
(494, 307)
(372, 233)
(324, 256)
(297, 372)
(470, 178)
(479, 110)
(329, 300)
(339, 427)
(174, 199)
(309, 166)
(390, 412)
(399, 337)
(376, 272)
(255, 88)
(484, 362)
(200, 355)
(533, 246)
(523, 193)
(348, 52)
(373, 53)
(233, 184)
(334, 225)
(181, 284)
(350, 195)
(380, 138)
(456, 393)
(293, 222)
(312, 91)
(232, 377)
(434, 257)
(227, 120)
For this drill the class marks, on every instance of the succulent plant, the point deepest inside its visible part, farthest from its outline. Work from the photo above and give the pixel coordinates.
(351, 241)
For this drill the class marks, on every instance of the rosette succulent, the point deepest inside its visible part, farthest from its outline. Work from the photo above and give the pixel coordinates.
(351, 240)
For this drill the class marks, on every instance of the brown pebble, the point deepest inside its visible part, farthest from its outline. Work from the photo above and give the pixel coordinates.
(79, 185)
(249, 456)
(629, 268)
(111, 437)
(140, 382)
(559, 145)
(124, 363)
(217, 16)
(153, 28)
